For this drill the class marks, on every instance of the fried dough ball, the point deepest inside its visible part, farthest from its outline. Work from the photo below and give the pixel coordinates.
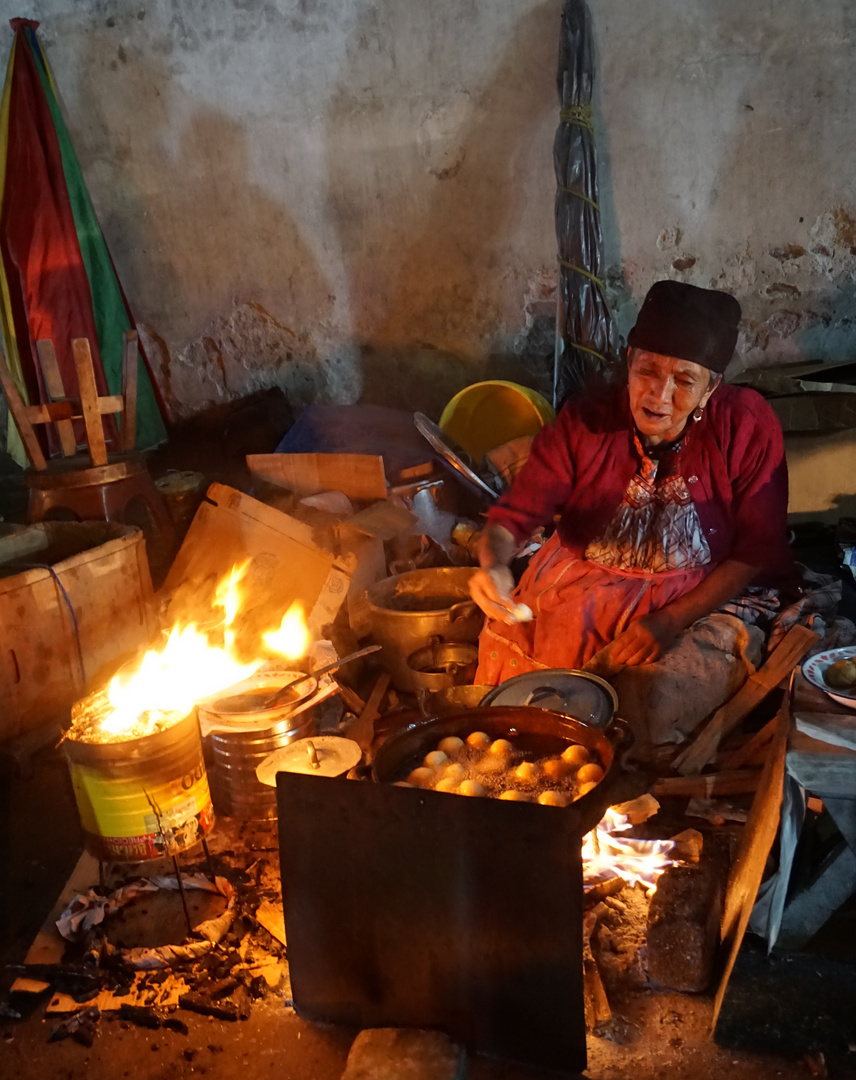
(528, 773)
(557, 768)
(454, 771)
(478, 740)
(841, 675)
(513, 795)
(553, 798)
(421, 777)
(590, 774)
(402, 783)
(435, 759)
(585, 789)
(472, 787)
(575, 755)
(451, 745)
(501, 748)
(447, 783)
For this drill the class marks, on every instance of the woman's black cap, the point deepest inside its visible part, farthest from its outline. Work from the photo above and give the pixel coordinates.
(687, 322)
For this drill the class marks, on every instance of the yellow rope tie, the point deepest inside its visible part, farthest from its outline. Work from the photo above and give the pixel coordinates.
(579, 195)
(582, 115)
(586, 349)
(580, 270)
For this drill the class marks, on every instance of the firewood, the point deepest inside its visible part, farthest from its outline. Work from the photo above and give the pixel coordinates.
(351, 698)
(199, 1004)
(362, 729)
(688, 845)
(703, 748)
(602, 889)
(732, 782)
(638, 810)
(756, 747)
(599, 1010)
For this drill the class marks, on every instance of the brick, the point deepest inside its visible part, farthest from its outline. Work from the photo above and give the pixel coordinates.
(683, 927)
(404, 1054)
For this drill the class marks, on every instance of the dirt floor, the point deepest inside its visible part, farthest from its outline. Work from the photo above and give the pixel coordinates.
(778, 1005)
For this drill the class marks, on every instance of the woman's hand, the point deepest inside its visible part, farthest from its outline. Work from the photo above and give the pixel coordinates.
(491, 590)
(645, 640)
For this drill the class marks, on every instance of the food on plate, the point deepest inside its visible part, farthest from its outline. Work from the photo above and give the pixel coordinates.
(842, 674)
(451, 745)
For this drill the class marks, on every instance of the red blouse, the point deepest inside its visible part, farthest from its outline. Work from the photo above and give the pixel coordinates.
(733, 461)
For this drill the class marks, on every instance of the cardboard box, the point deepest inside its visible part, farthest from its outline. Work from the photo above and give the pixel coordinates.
(285, 564)
(359, 476)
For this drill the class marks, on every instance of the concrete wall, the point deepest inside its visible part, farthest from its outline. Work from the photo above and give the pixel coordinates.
(353, 198)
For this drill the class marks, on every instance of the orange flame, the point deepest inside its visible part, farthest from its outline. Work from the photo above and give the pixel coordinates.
(607, 855)
(191, 667)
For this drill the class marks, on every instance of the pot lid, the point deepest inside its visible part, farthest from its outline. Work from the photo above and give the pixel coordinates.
(321, 755)
(578, 694)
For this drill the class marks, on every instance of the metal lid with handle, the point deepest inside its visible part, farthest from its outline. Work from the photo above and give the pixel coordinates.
(578, 694)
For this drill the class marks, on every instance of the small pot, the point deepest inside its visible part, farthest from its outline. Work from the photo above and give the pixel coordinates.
(407, 747)
(442, 665)
(408, 610)
(453, 700)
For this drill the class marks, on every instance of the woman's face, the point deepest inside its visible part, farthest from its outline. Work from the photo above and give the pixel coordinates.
(664, 393)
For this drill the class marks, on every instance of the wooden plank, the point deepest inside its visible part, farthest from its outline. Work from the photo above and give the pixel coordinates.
(756, 841)
(359, 476)
(129, 391)
(821, 767)
(731, 782)
(362, 729)
(70, 409)
(834, 728)
(748, 752)
(89, 401)
(56, 392)
(702, 750)
(18, 412)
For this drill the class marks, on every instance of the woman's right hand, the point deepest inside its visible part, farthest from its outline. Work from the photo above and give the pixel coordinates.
(491, 589)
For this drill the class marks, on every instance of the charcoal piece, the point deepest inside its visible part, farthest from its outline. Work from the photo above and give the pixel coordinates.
(202, 1005)
(141, 1015)
(683, 927)
(174, 1024)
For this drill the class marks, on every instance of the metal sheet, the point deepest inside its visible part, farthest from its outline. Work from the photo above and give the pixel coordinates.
(421, 909)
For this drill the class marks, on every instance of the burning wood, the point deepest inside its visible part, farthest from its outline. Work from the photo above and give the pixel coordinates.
(608, 855)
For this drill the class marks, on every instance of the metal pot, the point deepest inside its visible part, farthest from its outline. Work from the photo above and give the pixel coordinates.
(453, 700)
(407, 748)
(408, 610)
(443, 664)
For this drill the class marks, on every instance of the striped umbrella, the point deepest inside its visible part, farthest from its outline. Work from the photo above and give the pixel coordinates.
(57, 279)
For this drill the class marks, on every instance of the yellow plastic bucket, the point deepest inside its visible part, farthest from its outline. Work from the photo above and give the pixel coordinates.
(487, 414)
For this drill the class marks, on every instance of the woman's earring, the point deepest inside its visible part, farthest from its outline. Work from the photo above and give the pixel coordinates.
(698, 414)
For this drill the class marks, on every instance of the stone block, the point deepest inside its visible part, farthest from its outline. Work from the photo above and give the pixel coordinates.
(683, 926)
(404, 1054)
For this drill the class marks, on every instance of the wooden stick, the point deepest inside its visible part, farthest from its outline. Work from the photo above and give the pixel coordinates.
(362, 730)
(18, 411)
(350, 697)
(89, 401)
(598, 1009)
(747, 753)
(733, 782)
(129, 391)
(787, 653)
(56, 392)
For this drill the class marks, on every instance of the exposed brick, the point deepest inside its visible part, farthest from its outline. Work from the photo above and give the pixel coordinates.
(683, 926)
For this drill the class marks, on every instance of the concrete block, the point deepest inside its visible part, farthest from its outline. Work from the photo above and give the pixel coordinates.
(683, 926)
(404, 1054)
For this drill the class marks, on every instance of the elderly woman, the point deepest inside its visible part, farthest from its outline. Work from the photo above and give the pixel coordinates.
(671, 496)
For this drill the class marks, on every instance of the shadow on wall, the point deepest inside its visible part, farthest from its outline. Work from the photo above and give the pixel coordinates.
(191, 233)
(428, 263)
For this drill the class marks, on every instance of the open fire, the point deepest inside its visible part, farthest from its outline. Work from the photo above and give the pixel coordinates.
(194, 663)
(607, 854)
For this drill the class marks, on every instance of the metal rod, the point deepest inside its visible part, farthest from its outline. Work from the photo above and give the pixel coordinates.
(277, 697)
(208, 858)
(183, 897)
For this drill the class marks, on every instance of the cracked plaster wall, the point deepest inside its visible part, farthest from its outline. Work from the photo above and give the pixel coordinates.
(353, 198)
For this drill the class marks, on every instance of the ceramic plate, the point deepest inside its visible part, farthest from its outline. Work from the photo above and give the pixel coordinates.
(816, 665)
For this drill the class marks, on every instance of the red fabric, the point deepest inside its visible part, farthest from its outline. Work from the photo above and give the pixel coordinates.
(733, 461)
(579, 607)
(47, 279)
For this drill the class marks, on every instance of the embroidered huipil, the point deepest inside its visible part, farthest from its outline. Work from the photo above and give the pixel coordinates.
(635, 533)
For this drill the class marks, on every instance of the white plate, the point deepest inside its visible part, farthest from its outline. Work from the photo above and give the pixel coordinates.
(816, 665)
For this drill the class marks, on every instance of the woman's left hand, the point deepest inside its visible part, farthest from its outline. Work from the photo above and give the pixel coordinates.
(645, 640)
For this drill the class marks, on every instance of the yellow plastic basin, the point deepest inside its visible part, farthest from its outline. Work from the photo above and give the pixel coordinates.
(487, 414)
